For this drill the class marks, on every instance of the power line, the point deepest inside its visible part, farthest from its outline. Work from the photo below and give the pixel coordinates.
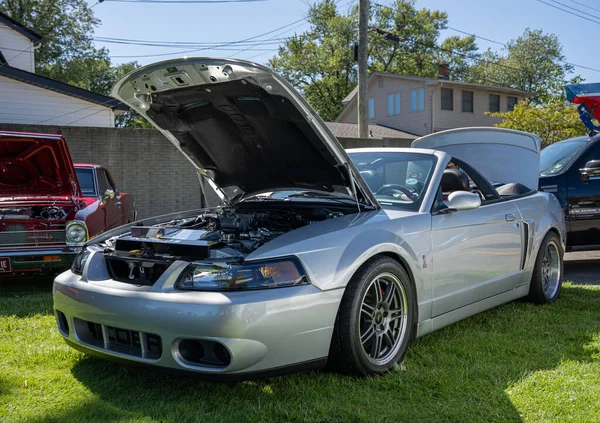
(207, 48)
(577, 10)
(504, 45)
(568, 11)
(583, 4)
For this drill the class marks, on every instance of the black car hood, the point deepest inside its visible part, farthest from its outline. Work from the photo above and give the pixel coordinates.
(242, 126)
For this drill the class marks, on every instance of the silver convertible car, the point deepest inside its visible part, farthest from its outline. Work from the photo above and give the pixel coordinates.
(316, 255)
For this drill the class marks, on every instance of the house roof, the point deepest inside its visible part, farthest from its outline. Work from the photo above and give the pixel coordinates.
(350, 130)
(60, 87)
(353, 93)
(20, 28)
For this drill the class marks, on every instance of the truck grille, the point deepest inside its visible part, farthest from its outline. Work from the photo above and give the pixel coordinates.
(16, 236)
(124, 341)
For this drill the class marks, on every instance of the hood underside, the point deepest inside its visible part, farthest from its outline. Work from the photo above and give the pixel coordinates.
(242, 126)
(35, 165)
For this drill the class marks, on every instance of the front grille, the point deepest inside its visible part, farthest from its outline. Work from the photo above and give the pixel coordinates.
(124, 341)
(17, 236)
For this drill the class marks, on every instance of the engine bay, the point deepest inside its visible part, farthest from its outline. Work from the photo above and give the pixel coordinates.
(35, 212)
(222, 234)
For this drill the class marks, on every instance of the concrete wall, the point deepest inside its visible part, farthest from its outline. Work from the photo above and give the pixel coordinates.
(142, 162)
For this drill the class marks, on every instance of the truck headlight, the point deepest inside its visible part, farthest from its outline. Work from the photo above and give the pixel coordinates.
(76, 233)
(234, 277)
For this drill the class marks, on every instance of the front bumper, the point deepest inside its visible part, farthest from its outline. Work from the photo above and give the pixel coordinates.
(38, 261)
(263, 333)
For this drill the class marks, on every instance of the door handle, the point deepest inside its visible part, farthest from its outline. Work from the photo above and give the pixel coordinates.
(509, 217)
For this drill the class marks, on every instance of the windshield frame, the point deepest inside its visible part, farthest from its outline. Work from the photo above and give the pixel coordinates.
(418, 155)
(585, 142)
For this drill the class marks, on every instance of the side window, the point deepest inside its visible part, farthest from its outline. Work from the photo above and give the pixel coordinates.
(592, 154)
(103, 184)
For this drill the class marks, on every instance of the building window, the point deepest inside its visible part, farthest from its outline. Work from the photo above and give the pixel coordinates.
(467, 101)
(447, 99)
(371, 108)
(494, 103)
(417, 99)
(394, 104)
(511, 102)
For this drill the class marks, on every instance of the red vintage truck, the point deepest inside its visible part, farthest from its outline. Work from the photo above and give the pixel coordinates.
(49, 206)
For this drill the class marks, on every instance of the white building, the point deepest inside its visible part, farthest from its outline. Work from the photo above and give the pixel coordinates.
(27, 98)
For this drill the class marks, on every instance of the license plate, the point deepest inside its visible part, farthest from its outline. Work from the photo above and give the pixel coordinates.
(5, 264)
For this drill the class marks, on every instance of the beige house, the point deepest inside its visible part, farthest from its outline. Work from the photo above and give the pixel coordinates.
(421, 106)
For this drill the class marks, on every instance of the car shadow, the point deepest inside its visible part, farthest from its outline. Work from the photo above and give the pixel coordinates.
(37, 291)
(461, 373)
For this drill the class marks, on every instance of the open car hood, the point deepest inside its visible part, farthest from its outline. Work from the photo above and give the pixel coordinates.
(35, 165)
(242, 126)
(501, 155)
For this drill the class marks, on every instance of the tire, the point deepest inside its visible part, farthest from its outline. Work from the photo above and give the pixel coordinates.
(386, 328)
(546, 280)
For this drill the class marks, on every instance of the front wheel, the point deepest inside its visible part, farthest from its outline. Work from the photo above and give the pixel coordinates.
(546, 280)
(376, 318)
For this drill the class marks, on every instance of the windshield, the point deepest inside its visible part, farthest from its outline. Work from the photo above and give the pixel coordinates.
(396, 179)
(555, 157)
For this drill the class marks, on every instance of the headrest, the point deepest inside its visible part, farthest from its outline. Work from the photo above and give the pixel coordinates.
(455, 180)
(373, 179)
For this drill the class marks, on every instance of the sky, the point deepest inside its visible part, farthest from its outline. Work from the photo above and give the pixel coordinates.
(225, 23)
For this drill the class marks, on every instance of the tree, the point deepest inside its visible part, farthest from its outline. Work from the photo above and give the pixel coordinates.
(66, 52)
(533, 62)
(553, 122)
(320, 62)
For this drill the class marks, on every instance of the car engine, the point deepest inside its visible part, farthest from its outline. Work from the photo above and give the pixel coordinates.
(221, 234)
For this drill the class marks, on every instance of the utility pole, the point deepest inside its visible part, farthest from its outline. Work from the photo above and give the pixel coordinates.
(363, 106)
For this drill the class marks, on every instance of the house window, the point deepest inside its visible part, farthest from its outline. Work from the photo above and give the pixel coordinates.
(467, 101)
(511, 102)
(417, 99)
(447, 99)
(494, 103)
(371, 108)
(394, 104)
(421, 98)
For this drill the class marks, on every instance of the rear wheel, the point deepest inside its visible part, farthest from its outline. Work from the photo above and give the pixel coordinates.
(376, 319)
(546, 280)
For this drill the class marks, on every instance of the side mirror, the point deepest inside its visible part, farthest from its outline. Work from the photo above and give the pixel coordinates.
(462, 200)
(109, 194)
(591, 169)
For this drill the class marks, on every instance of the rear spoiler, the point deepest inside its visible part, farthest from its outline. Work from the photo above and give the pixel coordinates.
(588, 98)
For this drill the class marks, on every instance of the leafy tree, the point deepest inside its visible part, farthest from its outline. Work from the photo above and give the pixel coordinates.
(320, 62)
(533, 62)
(555, 121)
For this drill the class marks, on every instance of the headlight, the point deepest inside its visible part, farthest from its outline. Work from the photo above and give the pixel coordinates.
(79, 262)
(232, 277)
(77, 233)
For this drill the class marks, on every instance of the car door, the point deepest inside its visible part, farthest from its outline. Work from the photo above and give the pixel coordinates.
(111, 201)
(583, 201)
(476, 255)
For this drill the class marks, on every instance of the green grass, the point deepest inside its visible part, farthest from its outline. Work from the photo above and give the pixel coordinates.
(518, 362)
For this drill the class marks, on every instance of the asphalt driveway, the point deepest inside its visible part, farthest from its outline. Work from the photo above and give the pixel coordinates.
(582, 267)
